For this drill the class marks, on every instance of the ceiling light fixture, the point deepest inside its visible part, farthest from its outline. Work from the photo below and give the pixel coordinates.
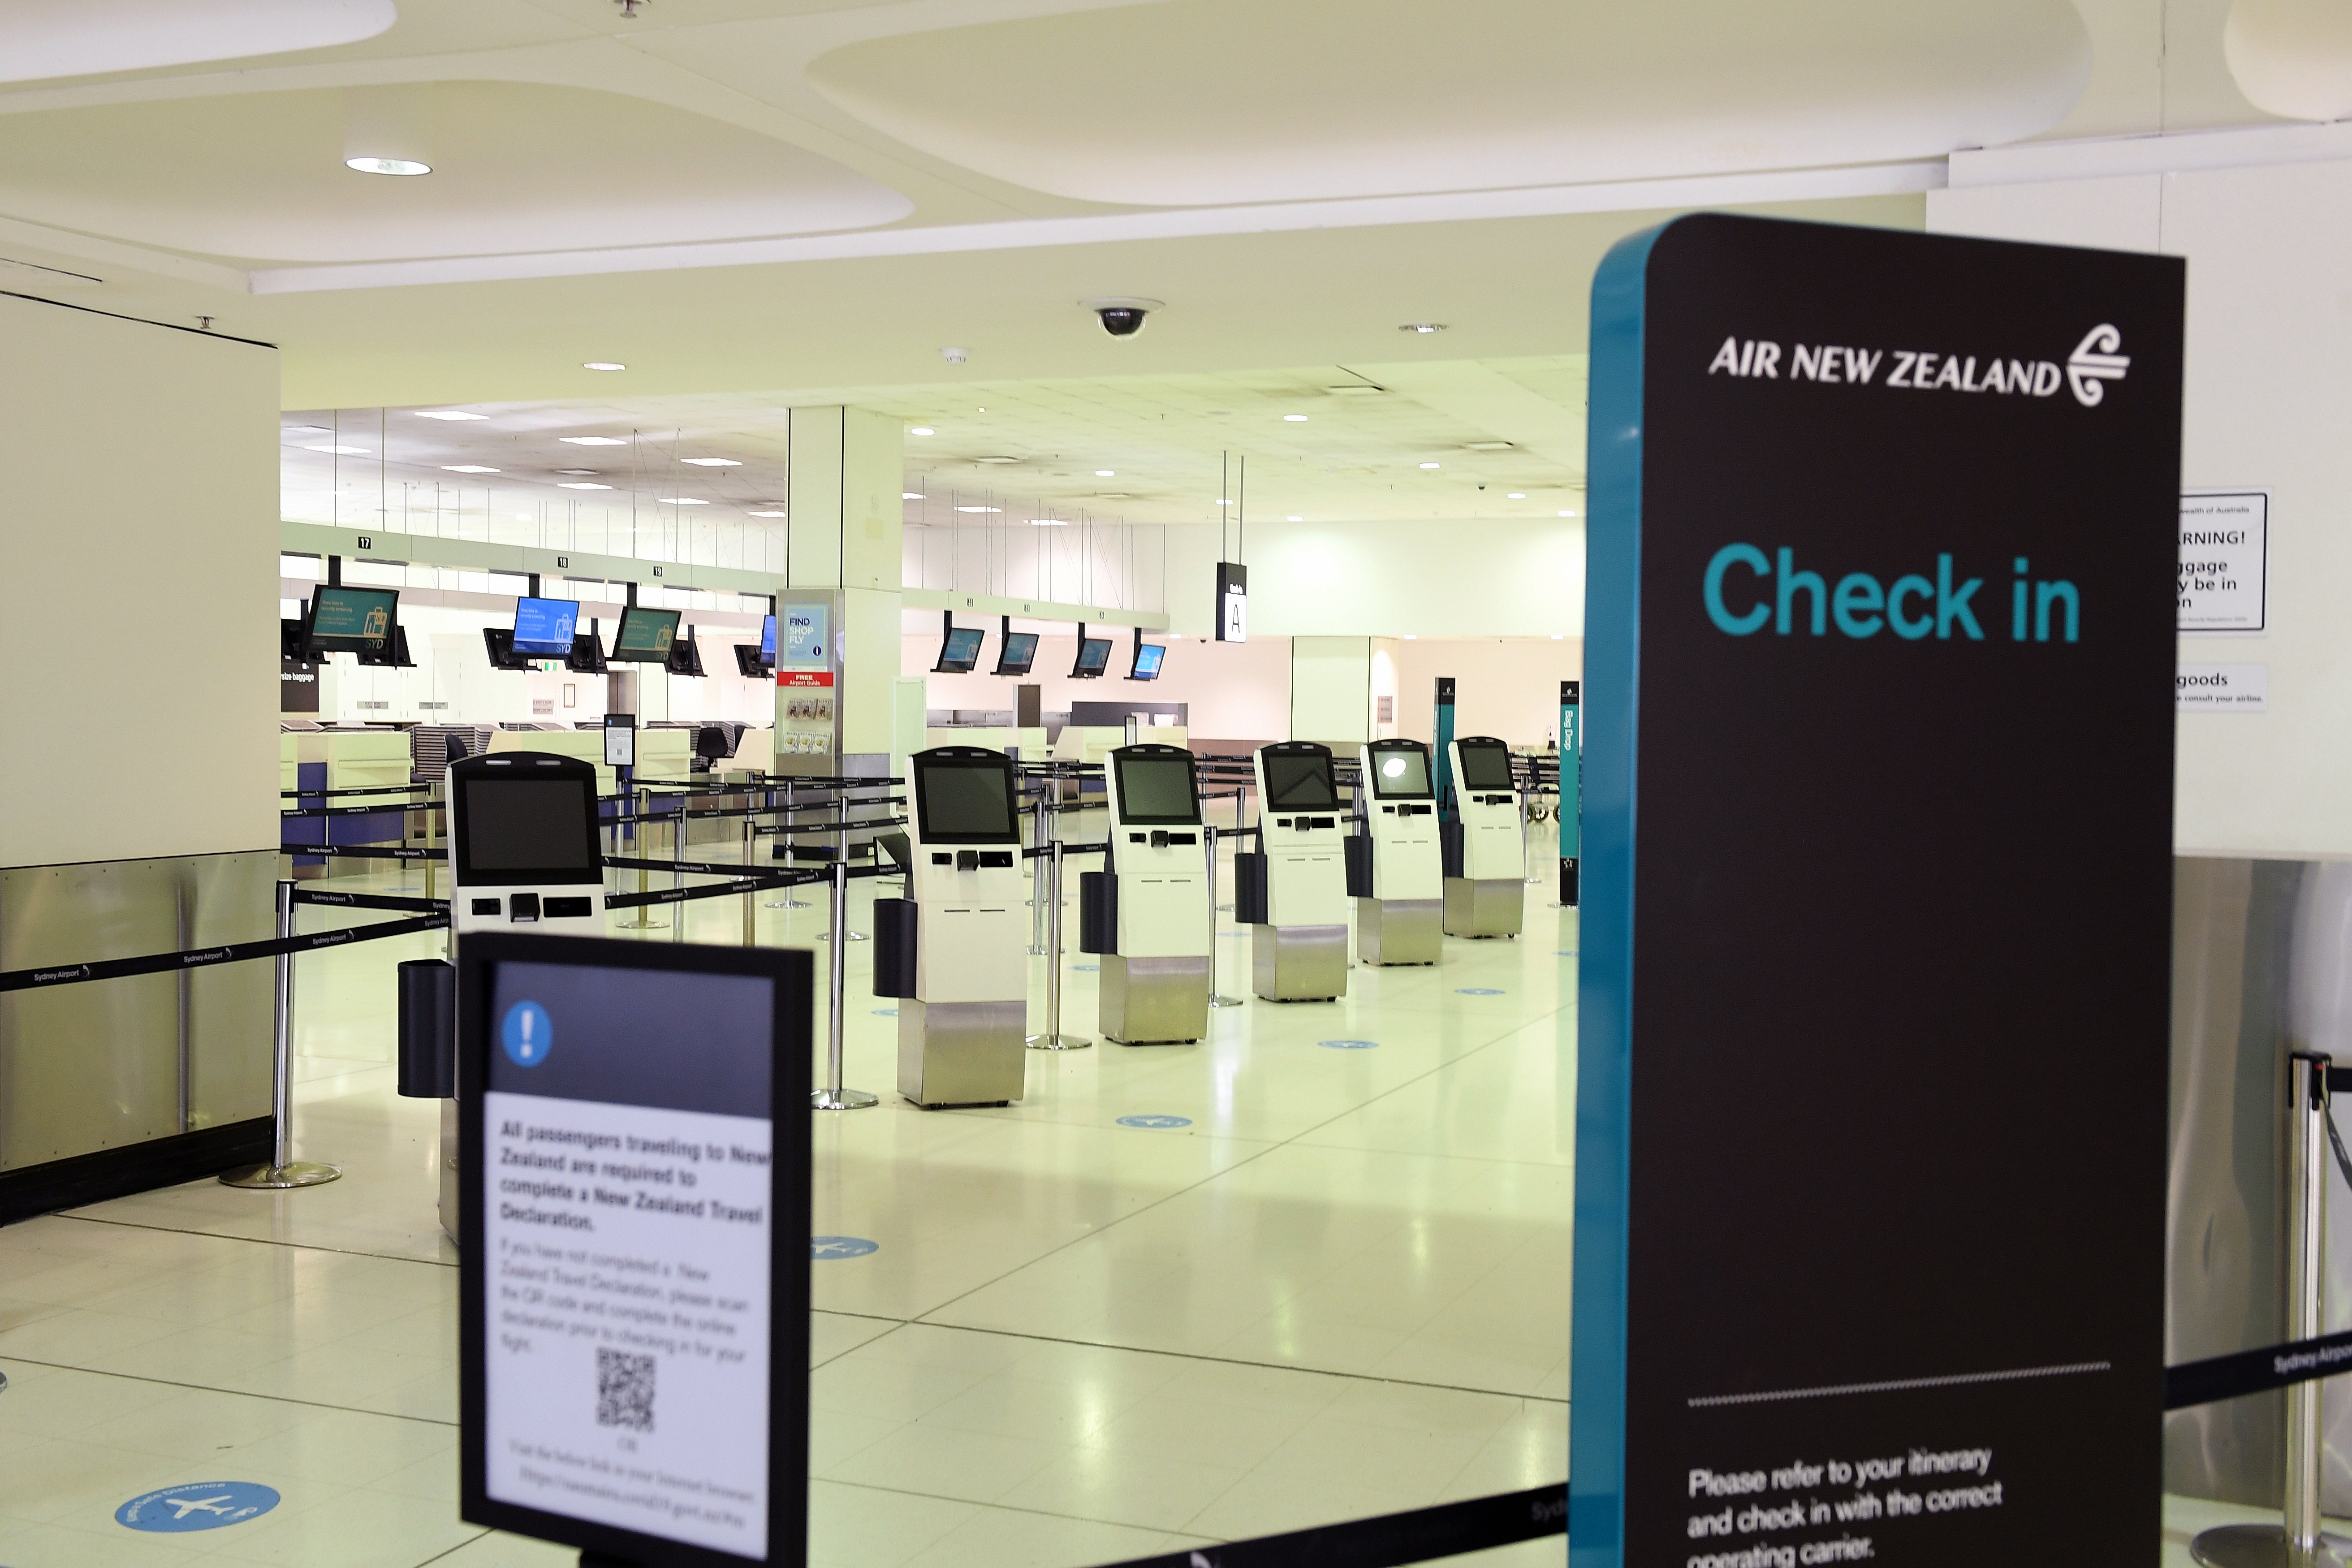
(714, 462)
(446, 414)
(766, 514)
(1413, 636)
(581, 485)
(980, 508)
(339, 451)
(1224, 501)
(1048, 522)
(601, 364)
(1294, 517)
(1567, 514)
(1429, 465)
(922, 430)
(1560, 637)
(681, 500)
(1106, 473)
(592, 440)
(581, 473)
(1423, 329)
(911, 495)
(466, 468)
(996, 459)
(387, 166)
(1517, 495)
(1293, 419)
(1489, 446)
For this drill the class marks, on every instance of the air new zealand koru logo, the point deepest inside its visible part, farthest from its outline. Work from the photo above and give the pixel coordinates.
(2094, 361)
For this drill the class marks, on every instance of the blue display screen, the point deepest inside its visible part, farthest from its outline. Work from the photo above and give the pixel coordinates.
(768, 640)
(1147, 661)
(543, 628)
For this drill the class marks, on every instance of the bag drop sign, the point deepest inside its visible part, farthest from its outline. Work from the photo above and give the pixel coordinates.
(2224, 561)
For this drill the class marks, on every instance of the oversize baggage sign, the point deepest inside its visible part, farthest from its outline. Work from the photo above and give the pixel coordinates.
(1877, 854)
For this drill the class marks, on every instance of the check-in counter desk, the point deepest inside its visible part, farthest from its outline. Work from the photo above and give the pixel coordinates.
(327, 760)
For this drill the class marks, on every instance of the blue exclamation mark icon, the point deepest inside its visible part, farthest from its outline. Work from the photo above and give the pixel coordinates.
(527, 1033)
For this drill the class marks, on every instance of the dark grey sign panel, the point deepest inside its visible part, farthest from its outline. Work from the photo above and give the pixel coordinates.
(1876, 881)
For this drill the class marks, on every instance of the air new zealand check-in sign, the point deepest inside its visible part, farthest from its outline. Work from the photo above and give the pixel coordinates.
(1878, 795)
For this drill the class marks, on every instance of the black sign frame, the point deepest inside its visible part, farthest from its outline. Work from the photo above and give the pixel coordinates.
(1875, 971)
(792, 974)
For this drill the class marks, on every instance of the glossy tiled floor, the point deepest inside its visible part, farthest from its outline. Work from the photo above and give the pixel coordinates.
(1339, 1290)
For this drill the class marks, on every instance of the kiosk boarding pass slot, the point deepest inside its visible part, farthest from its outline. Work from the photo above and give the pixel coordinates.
(1154, 985)
(633, 1274)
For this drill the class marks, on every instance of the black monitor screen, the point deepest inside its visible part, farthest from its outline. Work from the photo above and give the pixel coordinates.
(1156, 789)
(1300, 782)
(1016, 653)
(543, 628)
(345, 620)
(1401, 774)
(961, 652)
(645, 636)
(525, 829)
(965, 800)
(1147, 661)
(1487, 765)
(1094, 653)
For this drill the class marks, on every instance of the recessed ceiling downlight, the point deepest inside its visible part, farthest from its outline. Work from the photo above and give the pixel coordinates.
(582, 485)
(466, 468)
(1423, 329)
(1048, 522)
(592, 440)
(996, 459)
(1106, 473)
(446, 414)
(681, 500)
(601, 364)
(921, 430)
(765, 514)
(980, 508)
(1489, 446)
(1293, 419)
(387, 165)
(714, 462)
(911, 495)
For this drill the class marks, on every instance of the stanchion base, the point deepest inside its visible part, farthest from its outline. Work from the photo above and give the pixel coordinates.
(847, 1100)
(277, 1178)
(2264, 1546)
(1217, 1001)
(1057, 1043)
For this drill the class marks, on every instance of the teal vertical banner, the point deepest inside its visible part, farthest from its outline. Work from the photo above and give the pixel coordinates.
(1444, 749)
(1572, 772)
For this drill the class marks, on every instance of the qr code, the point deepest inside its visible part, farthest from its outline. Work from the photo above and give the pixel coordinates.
(624, 1389)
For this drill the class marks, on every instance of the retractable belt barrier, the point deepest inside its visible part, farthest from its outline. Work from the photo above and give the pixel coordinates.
(386, 809)
(1389, 1539)
(2256, 1371)
(366, 851)
(356, 789)
(222, 953)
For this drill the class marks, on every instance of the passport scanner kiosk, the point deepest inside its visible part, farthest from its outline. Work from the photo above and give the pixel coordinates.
(1396, 874)
(964, 1009)
(1295, 900)
(524, 856)
(1485, 850)
(1147, 914)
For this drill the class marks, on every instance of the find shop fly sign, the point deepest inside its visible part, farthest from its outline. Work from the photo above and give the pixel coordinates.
(1871, 1105)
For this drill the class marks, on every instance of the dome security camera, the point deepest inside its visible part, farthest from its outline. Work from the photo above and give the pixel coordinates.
(1121, 316)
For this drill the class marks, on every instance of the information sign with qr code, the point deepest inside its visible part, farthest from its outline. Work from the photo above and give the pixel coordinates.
(628, 1387)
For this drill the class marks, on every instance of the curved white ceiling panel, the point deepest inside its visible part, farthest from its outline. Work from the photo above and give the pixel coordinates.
(516, 168)
(47, 38)
(2293, 57)
(1212, 102)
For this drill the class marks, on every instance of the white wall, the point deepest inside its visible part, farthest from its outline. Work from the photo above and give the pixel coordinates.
(2268, 405)
(1505, 686)
(1331, 689)
(1467, 578)
(138, 532)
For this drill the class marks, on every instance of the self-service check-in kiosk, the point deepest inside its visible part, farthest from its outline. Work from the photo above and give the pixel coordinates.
(1485, 850)
(1292, 893)
(1396, 873)
(963, 979)
(1148, 915)
(523, 856)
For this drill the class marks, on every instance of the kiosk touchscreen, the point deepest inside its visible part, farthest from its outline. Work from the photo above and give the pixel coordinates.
(1399, 912)
(1486, 846)
(634, 1275)
(1299, 939)
(1155, 965)
(960, 1033)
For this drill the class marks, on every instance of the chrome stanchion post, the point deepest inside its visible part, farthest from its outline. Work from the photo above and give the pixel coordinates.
(677, 876)
(787, 901)
(1041, 831)
(2297, 1541)
(750, 898)
(833, 1096)
(1053, 1039)
(283, 1170)
(643, 920)
(1216, 997)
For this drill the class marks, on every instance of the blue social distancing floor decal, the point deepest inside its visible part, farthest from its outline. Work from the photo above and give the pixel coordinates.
(1350, 1045)
(197, 1505)
(826, 1248)
(1155, 1122)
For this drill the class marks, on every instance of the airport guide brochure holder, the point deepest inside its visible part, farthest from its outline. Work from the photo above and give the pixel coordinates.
(633, 1254)
(1871, 1094)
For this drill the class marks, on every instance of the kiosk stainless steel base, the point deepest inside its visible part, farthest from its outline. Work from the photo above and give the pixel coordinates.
(1490, 907)
(1400, 930)
(962, 1053)
(1154, 1001)
(1298, 963)
(2265, 1546)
